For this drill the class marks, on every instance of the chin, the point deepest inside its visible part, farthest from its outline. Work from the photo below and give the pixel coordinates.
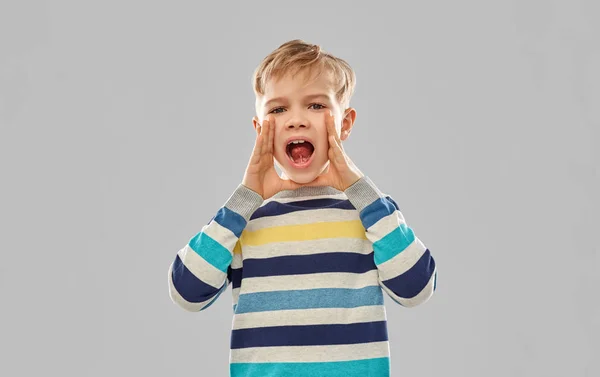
(301, 178)
(303, 175)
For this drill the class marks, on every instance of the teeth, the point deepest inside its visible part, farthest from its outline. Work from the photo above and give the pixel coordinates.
(296, 142)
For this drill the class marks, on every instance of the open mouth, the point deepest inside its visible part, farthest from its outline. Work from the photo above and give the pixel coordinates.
(300, 151)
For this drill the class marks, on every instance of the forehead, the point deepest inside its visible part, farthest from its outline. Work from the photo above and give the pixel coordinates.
(303, 82)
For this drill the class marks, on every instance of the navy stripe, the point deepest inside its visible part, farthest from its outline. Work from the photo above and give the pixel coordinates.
(188, 285)
(275, 208)
(309, 335)
(236, 277)
(309, 264)
(214, 299)
(231, 220)
(410, 283)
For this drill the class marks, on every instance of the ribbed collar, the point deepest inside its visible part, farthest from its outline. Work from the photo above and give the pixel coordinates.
(307, 191)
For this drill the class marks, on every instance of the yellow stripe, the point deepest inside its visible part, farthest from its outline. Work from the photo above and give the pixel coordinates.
(304, 232)
(237, 249)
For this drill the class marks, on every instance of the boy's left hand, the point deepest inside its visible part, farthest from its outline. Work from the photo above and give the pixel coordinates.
(341, 173)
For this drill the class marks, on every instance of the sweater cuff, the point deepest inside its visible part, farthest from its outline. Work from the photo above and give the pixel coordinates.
(362, 193)
(244, 201)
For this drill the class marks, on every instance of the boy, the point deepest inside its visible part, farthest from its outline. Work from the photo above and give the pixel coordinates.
(309, 253)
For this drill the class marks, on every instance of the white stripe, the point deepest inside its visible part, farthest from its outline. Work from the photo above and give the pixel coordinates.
(403, 261)
(385, 225)
(338, 352)
(310, 281)
(221, 234)
(236, 262)
(235, 295)
(201, 268)
(317, 316)
(308, 247)
(420, 298)
(183, 303)
(309, 216)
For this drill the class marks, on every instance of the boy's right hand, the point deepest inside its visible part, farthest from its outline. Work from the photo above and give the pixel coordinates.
(260, 175)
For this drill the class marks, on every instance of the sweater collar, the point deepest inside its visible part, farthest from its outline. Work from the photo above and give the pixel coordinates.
(307, 191)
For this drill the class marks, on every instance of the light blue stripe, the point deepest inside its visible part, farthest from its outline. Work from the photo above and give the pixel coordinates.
(212, 251)
(393, 243)
(309, 299)
(379, 367)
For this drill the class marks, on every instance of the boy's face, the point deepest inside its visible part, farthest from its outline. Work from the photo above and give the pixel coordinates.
(298, 108)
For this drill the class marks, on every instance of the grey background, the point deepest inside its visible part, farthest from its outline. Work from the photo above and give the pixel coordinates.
(125, 126)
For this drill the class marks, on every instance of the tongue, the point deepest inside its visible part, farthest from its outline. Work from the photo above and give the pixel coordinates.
(300, 152)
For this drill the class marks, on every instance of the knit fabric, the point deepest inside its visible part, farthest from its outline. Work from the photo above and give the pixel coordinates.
(308, 270)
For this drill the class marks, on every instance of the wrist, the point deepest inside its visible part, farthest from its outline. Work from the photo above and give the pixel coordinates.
(362, 193)
(244, 201)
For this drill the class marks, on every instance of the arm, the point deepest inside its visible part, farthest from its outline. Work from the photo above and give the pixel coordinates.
(202, 270)
(407, 271)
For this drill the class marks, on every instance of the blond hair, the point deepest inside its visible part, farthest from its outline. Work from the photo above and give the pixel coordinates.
(296, 55)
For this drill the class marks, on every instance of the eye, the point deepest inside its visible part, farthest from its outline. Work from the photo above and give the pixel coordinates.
(317, 104)
(275, 110)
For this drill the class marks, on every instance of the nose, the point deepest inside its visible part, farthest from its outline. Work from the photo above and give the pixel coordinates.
(295, 122)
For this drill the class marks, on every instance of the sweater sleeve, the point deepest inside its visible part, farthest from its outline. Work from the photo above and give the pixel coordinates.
(407, 270)
(202, 269)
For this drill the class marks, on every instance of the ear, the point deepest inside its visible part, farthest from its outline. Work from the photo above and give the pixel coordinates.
(347, 123)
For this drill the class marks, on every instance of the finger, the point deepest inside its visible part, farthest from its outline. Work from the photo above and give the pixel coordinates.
(256, 151)
(266, 126)
(336, 152)
(330, 121)
(337, 136)
(271, 135)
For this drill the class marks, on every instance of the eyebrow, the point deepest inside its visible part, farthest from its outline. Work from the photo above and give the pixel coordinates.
(310, 96)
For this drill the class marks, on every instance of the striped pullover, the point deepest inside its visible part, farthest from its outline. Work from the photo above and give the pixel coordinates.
(308, 268)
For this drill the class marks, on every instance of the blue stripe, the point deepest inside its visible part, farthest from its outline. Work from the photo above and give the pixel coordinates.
(379, 367)
(230, 220)
(410, 283)
(391, 200)
(275, 208)
(212, 251)
(393, 243)
(309, 264)
(188, 285)
(310, 298)
(376, 211)
(309, 335)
